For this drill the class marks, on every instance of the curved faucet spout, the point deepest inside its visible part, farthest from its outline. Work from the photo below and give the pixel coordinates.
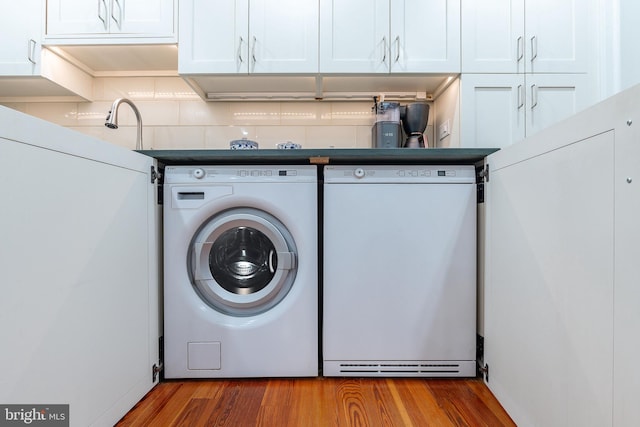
(112, 118)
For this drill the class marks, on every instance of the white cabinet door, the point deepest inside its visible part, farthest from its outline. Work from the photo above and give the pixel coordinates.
(145, 17)
(248, 36)
(549, 291)
(22, 55)
(354, 36)
(492, 110)
(507, 36)
(22, 33)
(83, 18)
(627, 235)
(561, 272)
(208, 47)
(407, 36)
(425, 36)
(554, 97)
(492, 36)
(78, 17)
(283, 36)
(79, 271)
(500, 109)
(558, 35)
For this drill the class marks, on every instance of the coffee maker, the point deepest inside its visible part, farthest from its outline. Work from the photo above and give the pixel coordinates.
(414, 118)
(386, 131)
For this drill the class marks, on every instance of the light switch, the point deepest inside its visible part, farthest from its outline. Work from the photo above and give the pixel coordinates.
(443, 130)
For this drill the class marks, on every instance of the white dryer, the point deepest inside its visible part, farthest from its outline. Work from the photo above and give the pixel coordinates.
(399, 271)
(240, 271)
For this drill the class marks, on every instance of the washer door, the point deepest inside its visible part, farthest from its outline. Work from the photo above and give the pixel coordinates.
(243, 261)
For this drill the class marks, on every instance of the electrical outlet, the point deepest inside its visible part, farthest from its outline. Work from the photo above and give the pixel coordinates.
(444, 130)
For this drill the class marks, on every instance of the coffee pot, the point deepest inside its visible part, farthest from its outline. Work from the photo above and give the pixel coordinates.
(414, 119)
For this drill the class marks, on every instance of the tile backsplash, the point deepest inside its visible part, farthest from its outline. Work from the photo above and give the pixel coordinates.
(174, 117)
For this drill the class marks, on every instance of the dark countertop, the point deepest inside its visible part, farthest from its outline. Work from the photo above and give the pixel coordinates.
(436, 156)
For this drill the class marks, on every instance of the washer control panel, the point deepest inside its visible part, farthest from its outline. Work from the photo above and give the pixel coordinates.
(253, 173)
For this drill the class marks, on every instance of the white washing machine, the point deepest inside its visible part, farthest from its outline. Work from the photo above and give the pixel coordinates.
(399, 271)
(240, 271)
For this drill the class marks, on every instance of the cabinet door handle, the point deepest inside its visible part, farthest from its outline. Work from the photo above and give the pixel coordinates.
(384, 49)
(520, 49)
(397, 49)
(520, 96)
(32, 51)
(240, 50)
(253, 50)
(117, 19)
(534, 96)
(534, 48)
(102, 13)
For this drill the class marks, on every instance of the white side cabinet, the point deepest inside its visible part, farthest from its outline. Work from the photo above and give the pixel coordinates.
(408, 36)
(110, 18)
(499, 109)
(514, 36)
(248, 36)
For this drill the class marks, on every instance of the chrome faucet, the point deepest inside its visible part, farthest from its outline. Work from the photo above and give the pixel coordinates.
(112, 118)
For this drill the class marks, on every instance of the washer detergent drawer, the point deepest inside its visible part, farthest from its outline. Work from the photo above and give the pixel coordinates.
(195, 197)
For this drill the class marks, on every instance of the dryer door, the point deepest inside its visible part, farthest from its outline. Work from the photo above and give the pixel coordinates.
(243, 261)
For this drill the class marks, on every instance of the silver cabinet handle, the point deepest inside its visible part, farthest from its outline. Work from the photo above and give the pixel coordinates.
(102, 13)
(118, 19)
(240, 59)
(520, 48)
(534, 48)
(397, 48)
(520, 96)
(32, 51)
(534, 96)
(253, 50)
(384, 49)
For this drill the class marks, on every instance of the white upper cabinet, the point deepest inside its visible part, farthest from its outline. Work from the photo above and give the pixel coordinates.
(398, 36)
(34, 71)
(248, 36)
(425, 36)
(492, 36)
(354, 36)
(500, 109)
(22, 33)
(493, 111)
(283, 36)
(514, 36)
(526, 64)
(110, 18)
(208, 48)
(558, 36)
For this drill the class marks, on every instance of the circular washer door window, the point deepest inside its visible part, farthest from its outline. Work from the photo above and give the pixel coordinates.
(243, 261)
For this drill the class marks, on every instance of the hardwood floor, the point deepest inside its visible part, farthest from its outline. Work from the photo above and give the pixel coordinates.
(319, 402)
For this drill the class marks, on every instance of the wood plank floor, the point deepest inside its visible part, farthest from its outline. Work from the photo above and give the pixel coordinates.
(319, 402)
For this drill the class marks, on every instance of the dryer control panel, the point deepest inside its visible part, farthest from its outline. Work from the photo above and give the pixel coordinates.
(399, 174)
